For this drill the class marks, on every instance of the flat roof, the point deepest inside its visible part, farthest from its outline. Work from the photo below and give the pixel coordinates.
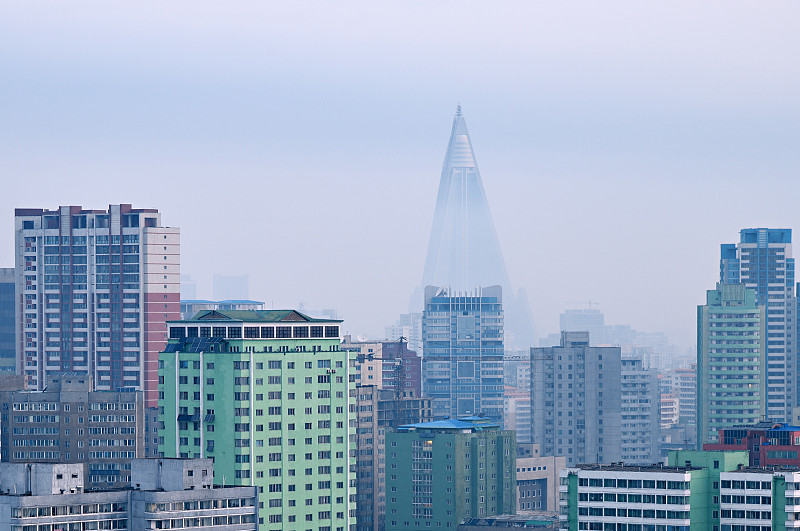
(465, 423)
(621, 467)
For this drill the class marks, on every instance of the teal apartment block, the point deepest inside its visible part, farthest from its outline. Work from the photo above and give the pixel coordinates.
(270, 397)
(440, 473)
(731, 361)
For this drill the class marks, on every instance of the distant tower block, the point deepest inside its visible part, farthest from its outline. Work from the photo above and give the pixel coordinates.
(463, 252)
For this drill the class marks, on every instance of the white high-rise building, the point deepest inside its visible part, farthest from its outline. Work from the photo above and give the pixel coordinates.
(94, 291)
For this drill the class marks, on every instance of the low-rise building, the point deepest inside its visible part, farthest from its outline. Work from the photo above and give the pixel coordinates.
(165, 494)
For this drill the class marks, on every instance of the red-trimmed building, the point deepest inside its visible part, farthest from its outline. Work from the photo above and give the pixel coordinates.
(769, 443)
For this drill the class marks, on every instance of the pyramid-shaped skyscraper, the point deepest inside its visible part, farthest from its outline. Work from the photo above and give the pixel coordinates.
(463, 252)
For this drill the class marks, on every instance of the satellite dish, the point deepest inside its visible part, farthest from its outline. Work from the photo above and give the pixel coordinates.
(361, 337)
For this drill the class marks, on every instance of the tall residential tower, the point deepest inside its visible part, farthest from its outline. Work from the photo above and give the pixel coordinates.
(94, 289)
(762, 261)
(271, 398)
(731, 361)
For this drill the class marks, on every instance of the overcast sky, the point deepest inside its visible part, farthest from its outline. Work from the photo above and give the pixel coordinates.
(301, 142)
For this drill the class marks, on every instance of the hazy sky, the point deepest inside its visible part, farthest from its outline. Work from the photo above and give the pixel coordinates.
(301, 143)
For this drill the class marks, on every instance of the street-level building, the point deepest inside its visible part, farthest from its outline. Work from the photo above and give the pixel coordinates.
(269, 396)
(439, 473)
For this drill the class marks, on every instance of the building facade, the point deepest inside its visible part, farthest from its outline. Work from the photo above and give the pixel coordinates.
(462, 370)
(379, 411)
(94, 289)
(641, 419)
(576, 400)
(386, 364)
(731, 361)
(762, 261)
(760, 498)
(270, 397)
(70, 423)
(439, 473)
(166, 494)
(537, 481)
(8, 326)
(768, 443)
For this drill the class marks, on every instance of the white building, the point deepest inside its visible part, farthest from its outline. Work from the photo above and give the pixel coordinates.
(626, 497)
(749, 498)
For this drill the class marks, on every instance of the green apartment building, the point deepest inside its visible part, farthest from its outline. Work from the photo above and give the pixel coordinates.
(731, 361)
(439, 473)
(269, 396)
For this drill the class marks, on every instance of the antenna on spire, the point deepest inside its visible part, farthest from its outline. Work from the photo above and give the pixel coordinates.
(458, 110)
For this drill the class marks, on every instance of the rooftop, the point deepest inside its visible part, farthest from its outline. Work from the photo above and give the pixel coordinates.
(768, 468)
(255, 316)
(465, 423)
(765, 425)
(622, 467)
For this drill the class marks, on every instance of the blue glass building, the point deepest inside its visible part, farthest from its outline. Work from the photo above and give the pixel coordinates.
(462, 370)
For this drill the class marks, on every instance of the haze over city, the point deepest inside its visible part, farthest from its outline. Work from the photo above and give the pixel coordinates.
(302, 144)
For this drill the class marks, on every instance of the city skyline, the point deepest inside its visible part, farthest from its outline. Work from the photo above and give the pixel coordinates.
(607, 159)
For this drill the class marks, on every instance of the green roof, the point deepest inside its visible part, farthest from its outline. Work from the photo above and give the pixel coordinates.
(257, 316)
